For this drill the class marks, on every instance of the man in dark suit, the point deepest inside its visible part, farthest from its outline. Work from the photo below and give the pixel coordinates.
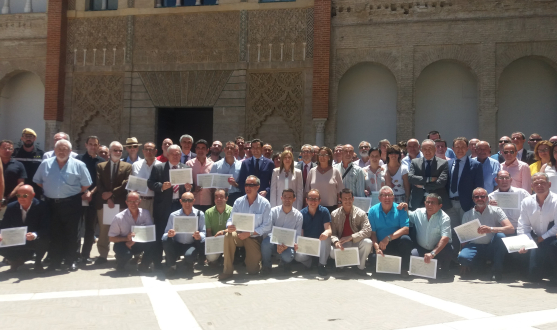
(167, 196)
(465, 175)
(112, 178)
(518, 139)
(259, 166)
(306, 164)
(186, 142)
(427, 175)
(27, 211)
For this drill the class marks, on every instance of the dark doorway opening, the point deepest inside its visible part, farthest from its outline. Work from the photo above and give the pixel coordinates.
(175, 122)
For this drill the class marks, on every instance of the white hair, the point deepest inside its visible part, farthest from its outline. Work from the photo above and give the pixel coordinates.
(114, 143)
(386, 188)
(174, 146)
(63, 142)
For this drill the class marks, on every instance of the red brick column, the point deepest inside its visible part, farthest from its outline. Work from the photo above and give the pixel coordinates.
(55, 60)
(321, 57)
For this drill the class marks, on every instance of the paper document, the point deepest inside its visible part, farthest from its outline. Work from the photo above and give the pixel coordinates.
(244, 221)
(144, 234)
(13, 236)
(283, 236)
(363, 203)
(180, 176)
(214, 245)
(507, 200)
(418, 267)
(110, 213)
(309, 246)
(185, 224)
(469, 231)
(348, 257)
(138, 184)
(515, 243)
(221, 181)
(205, 180)
(388, 264)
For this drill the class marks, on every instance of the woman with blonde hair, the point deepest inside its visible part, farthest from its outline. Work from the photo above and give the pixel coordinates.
(542, 154)
(287, 177)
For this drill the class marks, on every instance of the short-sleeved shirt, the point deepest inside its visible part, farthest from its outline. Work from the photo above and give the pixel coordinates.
(222, 167)
(30, 160)
(491, 217)
(186, 238)
(386, 224)
(91, 164)
(314, 226)
(216, 221)
(429, 232)
(122, 224)
(13, 171)
(397, 180)
(62, 182)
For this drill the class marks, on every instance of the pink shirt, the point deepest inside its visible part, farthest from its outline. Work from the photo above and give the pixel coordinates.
(202, 197)
(520, 173)
(328, 184)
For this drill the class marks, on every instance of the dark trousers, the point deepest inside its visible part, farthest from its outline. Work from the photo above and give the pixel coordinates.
(160, 226)
(87, 227)
(173, 250)
(64, 227)
(546, 253)
(25, 252)
(401, 247)
(443, 257)
(124, 254)
(472, 254)
(233, 197)
(203, 208)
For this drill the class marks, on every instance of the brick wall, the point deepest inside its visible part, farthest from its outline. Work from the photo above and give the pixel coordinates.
(55, 59)
(321, 58)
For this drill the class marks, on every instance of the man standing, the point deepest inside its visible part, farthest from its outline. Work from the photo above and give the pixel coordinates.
(504, 184)
(383, 145)
(495, 225)
(240, 143)
(315, 153)
(537, 220)
(267, 151)
(252, 203)
(490, 166)
(435, 135)
(14, 173)
(427, 175)
(533, 140)
(247, 150)
(91, 159)
(472, 147)
(165, 144)
(63, 179)
(351, 228)
(363, 148)
(216, 218)
(132, 147)
(186, 244)
(258, 166)
(523, 155)
(201, 165)
(413, 149)
(441, 149)
(337, 154)
(390, 229)
(32, 213)
(230, 165)
(306, 164)
(520, 171)
(167, 196)
(103, 153)
(186, 142)
(112, 178)
(142, 169)
(216, 149)
(499, 155)
(282, 216)
(57, 137)
(31, 157)
(352, 174)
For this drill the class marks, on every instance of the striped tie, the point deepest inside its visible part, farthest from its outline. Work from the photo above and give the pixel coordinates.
(176, 187)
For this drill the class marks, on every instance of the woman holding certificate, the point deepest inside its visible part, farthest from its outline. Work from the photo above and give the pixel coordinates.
(550, 169)
(326, 179)
(287, 177)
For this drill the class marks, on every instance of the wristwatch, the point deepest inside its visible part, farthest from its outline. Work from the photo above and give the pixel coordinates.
(390, 238)
(432, 254)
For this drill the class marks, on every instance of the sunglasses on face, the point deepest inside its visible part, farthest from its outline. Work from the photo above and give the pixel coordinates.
(134, 147)
(504, 141)
(187, 200)
(22, 196)
(508, 152)
(251, 185)
(535, 140)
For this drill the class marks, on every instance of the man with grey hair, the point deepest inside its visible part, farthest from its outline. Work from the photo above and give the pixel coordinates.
(186, 142)
(363, 149)
(352, 175)
(538, 215)
(57, 137)
(337, 154)
(306, 164)
(413, 149)
(489, 165)
(504, 184)
(63, 179)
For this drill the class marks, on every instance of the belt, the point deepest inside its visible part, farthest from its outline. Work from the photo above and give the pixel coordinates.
(62, 200)
(455, 198)
(176, 200)
(147, 197)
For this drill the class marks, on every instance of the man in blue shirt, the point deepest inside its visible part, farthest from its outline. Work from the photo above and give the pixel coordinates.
(230, 165)
(490, 166)
(390, 229)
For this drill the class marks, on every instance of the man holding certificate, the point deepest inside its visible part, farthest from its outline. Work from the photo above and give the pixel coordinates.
(260, 209)
(511, 197)
(184, 234)
(142, 169)
(351, 228)
(230, 165)
(494, 224)
(216, 218)
(282, 216)
(28, 212)
(201, 165)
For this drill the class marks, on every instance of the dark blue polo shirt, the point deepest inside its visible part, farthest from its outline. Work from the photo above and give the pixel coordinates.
(13, 171)
(314, 226)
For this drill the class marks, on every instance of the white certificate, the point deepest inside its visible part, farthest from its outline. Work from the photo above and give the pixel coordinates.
(348, 257)
(110, 213)
(515, 243)
(418, 267)
(84, 203)
(507, 200)
(221, 181)
(185, 224)
(205, 180)
(138, 184)
(469, 231)
(144, 234)
(13, 236)
(244, 221)
(180, 176)
(362, 202)
(214, 245)
(283, 236)
(309, 246)
(388, 264)
(375, 198)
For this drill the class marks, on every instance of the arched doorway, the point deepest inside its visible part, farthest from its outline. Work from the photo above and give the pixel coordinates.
(527, 98)
(367, 101)
(22, 106)
(446, 100)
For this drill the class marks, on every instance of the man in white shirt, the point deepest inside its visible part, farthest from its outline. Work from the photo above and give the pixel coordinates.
(504, 181)
(142, 169)
(413, 149)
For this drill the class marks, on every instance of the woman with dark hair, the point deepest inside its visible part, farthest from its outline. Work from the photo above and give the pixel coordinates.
(287, 177)
(550, 169)
(276, 160)
(396, 175)
(326, 179)
(542, 154)
(374, 173)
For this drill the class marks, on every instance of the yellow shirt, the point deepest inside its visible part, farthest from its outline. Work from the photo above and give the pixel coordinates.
(536, 167)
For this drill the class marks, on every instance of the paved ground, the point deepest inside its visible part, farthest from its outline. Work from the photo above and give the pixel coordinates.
(98, 298)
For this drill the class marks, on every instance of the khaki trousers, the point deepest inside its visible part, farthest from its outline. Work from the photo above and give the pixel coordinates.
(103, 244)
(147, 205)
(253, 252)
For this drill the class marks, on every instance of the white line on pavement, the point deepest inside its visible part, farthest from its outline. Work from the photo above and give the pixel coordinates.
(69, 294)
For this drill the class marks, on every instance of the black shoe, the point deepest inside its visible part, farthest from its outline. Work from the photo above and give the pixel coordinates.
(158, 266)
(287, 267)
(404, 274)
(361, 272)
(100, 261)
(265, 271)
(73, 267)
(53, 266)
(170, 271)
(38, 267)
(121, 269)
(497, 277)
(322, 270)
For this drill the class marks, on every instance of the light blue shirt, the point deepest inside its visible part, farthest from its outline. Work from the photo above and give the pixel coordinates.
(429, 232)
(490, 168)
(290, 220)
(186, 238)
(222, 167)
(354, 179)
(260, 207)
(407, 161)
(452, 163)
(450, 153)
(62, 182)
(129, 161)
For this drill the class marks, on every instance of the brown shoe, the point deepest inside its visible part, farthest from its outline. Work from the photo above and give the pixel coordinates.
(14, 265)
(224, 277)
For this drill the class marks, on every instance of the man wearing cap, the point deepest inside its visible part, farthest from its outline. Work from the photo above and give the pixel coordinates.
(132, 147)
(31, 157)
(57, 137)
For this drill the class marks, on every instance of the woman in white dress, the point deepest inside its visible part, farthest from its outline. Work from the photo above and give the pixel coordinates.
(287, 177)
(396, 175)
(550, 169)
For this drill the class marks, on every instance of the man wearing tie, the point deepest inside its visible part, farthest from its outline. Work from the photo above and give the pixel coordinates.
(186, 141)
(259, 166)
(306, 164)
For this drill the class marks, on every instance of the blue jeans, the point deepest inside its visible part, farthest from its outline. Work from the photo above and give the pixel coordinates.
(268, 250)
(545, 253)
(471, 254)
(174, 249)
(124, 254)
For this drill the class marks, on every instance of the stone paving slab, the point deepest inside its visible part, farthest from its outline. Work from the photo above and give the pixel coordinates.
(549, 326)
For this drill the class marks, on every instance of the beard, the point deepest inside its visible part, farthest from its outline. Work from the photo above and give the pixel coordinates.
(364, 154)
(63, 159)
(27, 145)
(114, 158)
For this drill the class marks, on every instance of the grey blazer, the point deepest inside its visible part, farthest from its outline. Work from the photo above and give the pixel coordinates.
(439, 170)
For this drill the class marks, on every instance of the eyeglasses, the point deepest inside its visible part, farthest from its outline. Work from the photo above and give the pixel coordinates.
(543, 150)
(22, 196)
(479, 196)
(117, 150)
(28, 136)
(535, 140)
(386, 195)
(187, 200)
(251, 185)
(504, 141)
(8, 149)
(134, 147)
(509, 152)
(504, 178)
(134, 202)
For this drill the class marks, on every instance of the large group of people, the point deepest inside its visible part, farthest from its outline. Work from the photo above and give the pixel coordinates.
(418, 191)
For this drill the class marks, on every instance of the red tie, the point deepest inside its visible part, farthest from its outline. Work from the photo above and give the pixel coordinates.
(176, 187)
(305, 174)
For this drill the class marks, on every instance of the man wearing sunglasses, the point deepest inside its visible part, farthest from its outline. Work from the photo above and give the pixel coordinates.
(31, 156)
(520, 171)
(518, 139)
(533, 140)
(499, 155)
(132, 148)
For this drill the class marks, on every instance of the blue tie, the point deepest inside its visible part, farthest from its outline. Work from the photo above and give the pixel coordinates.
(428, 169)
(454, 179)
(256, 170)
